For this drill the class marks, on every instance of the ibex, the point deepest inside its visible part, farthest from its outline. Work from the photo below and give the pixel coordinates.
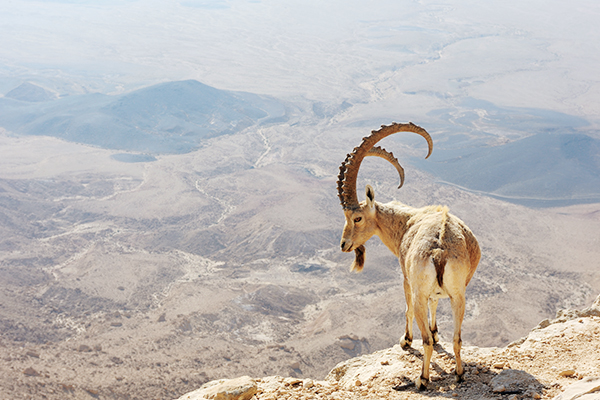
(438, 253)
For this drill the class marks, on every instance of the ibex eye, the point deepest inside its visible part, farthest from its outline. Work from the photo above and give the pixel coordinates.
(357, 219)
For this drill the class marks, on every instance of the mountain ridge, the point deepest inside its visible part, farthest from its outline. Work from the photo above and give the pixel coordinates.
(541, 170)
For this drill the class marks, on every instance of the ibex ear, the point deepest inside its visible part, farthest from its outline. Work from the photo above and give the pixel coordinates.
(370, 195)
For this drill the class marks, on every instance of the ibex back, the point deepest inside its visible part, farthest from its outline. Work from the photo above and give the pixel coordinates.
(438, 253)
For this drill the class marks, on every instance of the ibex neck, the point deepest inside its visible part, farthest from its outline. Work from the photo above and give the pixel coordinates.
(392, 223)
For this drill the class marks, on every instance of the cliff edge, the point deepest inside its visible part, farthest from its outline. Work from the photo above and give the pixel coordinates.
(559, 359)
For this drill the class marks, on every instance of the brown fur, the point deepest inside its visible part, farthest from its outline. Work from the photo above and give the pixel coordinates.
(359, 259)
(439, 262)
(438, 255)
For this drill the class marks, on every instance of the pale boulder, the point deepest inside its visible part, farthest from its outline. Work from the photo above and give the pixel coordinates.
(242, 388)
(585, 389)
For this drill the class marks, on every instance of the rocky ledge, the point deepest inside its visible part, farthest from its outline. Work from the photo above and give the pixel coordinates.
(559, 359)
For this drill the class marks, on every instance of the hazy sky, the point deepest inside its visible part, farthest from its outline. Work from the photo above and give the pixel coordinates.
(543, 54)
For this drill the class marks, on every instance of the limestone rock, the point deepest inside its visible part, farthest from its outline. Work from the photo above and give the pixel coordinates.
(585, 389)
(567, 372)
(570, 328)
(499, 389)
(347, 344)
(31, 372)
(292, 381)
(242, 388)
(382, 366)
(566, 315)
(84, 348)
(513, 380)
(33, 353)
(561, 317)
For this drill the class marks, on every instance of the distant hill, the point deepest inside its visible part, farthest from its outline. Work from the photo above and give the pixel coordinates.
(546, 169)
(168, 118)
(30, 92)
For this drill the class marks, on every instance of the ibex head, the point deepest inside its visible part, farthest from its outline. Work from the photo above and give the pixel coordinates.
(360, 217)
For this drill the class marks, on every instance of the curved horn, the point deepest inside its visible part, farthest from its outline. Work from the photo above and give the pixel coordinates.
(350, 166)
(379, 152)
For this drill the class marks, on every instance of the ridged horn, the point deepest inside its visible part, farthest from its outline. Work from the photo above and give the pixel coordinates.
(349, 169)
(379, 152)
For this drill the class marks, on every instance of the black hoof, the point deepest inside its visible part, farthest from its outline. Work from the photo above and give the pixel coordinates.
(406, 343)
(421, 383)
(460, 378)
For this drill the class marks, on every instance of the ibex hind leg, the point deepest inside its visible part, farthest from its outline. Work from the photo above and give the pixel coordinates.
(421, 317)
(458, 313)
(433, 303)
(406, 341)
